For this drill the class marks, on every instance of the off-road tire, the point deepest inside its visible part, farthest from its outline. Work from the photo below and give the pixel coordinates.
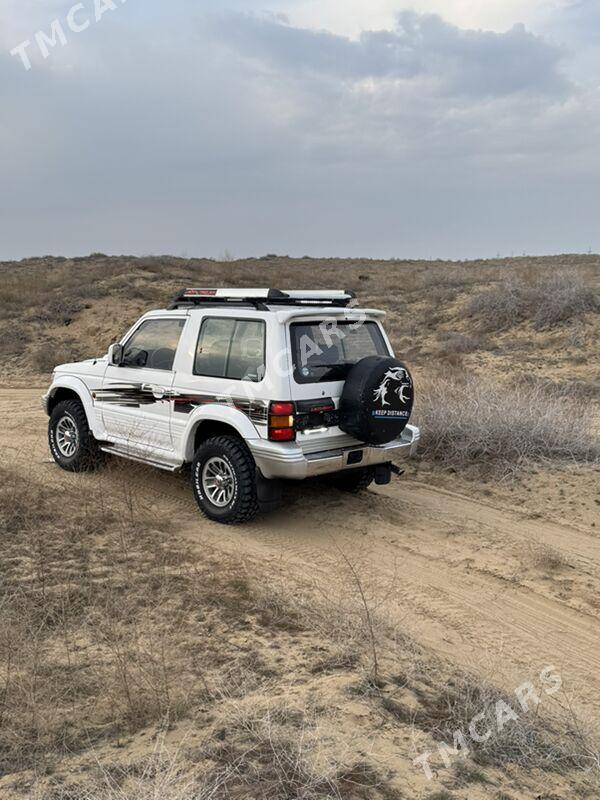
(354, 480)
(87, 455)
(243, 506)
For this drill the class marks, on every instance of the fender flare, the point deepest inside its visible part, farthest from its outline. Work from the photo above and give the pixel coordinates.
(215, 413)
(81, 390)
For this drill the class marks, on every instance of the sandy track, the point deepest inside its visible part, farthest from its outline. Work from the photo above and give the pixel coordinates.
(452, 568)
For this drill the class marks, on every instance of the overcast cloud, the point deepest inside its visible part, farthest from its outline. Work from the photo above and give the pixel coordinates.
(375, 129)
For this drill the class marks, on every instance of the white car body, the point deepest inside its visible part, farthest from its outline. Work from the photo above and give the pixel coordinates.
(156, 415)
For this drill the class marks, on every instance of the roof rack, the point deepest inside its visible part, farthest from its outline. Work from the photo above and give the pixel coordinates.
(261, 299)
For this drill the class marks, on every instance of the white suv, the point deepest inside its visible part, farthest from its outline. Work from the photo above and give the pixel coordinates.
(247, 386)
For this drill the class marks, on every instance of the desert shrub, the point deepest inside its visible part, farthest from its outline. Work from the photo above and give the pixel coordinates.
(272, 753)
(273, 750)
(353, 621)
(17, 497)
(572, 390)
(459, 344)
(48, 355)
(563, 296)
(57, 602)
(58, 311)
(546, 302)
(14, 338)
(442, 703)
(546, 558)
(553, 740)
(468, 420)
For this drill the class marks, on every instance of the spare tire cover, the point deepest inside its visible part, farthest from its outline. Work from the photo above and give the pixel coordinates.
(377, 400)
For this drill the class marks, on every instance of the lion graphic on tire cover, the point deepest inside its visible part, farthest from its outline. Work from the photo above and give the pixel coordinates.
(394, 375)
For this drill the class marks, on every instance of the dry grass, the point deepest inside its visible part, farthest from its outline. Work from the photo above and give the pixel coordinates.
(354, 620)
(547, 302)
(46, 356)
(260, 750)
(546, 558)
(467, 420)
(96, 635)
(269, 749)
(418, 690)
(461, 344)
(69, 674)
(87, 302)
(109, 627)
(438, 702)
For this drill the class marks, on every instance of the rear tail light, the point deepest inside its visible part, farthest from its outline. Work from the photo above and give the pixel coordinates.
(282, 434)
(281, 422)
(282, 408)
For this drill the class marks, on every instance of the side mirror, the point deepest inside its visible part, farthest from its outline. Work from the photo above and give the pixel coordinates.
(115, 354)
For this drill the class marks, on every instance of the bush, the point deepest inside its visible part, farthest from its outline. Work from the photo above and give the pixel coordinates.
(547, 302)
(459, 344)
(468, 420)
(49, 355)
(556, 741)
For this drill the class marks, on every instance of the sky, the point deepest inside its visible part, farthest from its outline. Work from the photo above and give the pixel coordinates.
(353, 128)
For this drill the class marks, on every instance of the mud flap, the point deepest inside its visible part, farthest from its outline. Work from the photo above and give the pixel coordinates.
(268, 492)
(383, 474)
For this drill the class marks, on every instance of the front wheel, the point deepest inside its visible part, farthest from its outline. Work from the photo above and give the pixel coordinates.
(72, 444)
(224, 480)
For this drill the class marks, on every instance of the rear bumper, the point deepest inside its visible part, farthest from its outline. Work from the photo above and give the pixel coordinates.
(278, 460)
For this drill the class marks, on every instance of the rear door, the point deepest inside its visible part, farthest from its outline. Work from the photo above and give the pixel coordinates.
(136, 397)
(323, 352)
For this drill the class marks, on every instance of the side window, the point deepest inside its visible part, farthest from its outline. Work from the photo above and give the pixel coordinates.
(154, 344)
(247, 353)
(212, 352)
(231, 348)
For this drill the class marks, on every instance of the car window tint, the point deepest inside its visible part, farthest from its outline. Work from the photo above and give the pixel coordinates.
(231, 348)
(154, 344)
(323, 352)
(247, 355)
(213, 347)
(365, 339)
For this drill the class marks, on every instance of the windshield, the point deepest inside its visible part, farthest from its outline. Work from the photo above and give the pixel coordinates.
(325, 351)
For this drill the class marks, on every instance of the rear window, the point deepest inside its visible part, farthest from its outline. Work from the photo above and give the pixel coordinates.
(326, 351)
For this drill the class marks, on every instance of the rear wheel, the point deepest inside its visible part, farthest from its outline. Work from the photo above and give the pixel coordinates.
(71, 442)
(224, 480)
(354, 480)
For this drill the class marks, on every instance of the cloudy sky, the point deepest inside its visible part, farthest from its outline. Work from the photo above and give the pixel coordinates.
(436, 128)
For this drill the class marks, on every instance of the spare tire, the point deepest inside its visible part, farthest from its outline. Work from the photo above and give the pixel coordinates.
(377, 400)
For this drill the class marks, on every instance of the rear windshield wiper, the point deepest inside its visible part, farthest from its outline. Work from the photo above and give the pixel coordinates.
(332, 371)
(329, 366)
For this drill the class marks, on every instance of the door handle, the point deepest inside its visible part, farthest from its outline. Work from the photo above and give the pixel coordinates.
(159, 392)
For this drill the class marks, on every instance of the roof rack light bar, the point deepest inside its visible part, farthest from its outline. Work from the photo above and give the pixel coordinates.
(261, 298)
